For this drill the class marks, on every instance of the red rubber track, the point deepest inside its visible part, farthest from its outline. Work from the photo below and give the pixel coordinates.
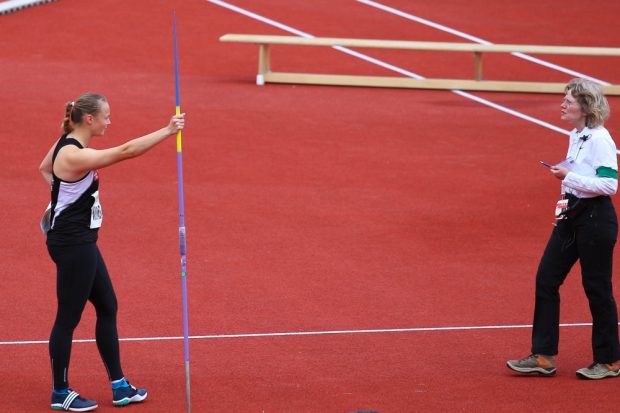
(307, 208)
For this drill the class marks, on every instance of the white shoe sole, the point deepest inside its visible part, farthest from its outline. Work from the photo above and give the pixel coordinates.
(584, 375)
(58, 406)
(127, 400)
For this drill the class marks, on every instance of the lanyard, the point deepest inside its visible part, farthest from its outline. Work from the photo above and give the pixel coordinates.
(583, 140)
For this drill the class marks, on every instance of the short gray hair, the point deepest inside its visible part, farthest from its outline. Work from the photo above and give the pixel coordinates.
(591, 100)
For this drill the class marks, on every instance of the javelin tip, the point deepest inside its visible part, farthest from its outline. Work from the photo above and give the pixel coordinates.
(176, 59)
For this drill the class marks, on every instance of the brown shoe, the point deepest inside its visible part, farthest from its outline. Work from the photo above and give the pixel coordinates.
(534, 363)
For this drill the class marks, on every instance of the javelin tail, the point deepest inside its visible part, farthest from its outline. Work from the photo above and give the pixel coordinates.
(182, 242)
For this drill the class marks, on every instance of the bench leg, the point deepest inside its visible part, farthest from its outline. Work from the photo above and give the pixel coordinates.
(263, 63)
(478, 65)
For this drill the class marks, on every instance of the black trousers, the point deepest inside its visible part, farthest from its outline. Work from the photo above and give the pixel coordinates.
(588, 235)
(82, 276)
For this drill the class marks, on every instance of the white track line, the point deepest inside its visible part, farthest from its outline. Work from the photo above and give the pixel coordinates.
(387, 65)
(478, 40)
(260, 18)
(309, 36)
(15, 5)
(475, 39)
(310, 333)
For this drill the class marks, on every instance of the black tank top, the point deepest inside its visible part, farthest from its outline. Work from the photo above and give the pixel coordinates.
(76, 213)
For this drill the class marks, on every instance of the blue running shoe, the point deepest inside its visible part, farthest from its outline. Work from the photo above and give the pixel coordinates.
(72, 402)
(128, 394)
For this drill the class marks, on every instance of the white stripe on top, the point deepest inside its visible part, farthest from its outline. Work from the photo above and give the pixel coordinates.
(69, 192)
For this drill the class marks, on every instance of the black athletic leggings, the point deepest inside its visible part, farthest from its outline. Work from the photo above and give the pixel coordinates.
(82, 276)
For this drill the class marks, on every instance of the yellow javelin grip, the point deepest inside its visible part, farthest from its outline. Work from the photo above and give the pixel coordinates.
(179, 145)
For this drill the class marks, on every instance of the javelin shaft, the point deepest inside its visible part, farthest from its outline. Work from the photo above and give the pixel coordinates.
(182, 242)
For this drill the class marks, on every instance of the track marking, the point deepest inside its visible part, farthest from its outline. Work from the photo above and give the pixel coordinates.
(386, 65)
(309, 333)
(475, 39)
(11, 6)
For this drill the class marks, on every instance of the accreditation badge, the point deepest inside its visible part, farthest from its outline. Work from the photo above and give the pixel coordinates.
(96, 214)
(560, 208)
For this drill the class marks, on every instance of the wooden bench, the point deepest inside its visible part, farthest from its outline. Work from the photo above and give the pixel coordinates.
(265, 75)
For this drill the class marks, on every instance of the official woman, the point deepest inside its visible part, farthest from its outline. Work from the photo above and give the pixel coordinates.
(586, 230)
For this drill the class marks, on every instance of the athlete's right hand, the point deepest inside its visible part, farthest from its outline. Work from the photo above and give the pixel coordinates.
(177, 122)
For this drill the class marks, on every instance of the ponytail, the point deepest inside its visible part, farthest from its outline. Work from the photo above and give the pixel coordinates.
(66, 123)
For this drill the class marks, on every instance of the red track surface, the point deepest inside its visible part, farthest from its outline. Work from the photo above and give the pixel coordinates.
(308, 209)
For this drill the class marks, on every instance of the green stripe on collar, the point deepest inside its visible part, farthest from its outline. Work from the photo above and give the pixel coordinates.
(605, 172)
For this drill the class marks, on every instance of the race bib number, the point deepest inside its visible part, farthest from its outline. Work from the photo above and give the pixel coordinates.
(560, 208)
(96, 214)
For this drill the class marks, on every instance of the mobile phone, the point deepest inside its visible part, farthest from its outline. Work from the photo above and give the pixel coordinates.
(546, 164)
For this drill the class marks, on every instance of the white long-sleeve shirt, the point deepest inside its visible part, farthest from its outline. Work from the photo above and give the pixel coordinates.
(594, 168)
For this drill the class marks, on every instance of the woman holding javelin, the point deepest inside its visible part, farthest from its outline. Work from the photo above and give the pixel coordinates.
(75, 217)
(586, 230)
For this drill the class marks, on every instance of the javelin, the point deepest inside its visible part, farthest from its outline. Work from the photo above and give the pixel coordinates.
(181, 215)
